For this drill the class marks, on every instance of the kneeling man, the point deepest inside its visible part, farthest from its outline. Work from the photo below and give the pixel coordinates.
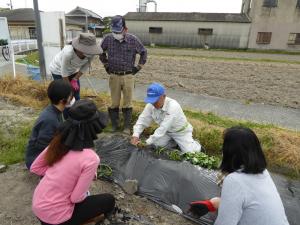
(173, 125)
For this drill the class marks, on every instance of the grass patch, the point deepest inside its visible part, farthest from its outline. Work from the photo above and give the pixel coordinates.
(24, 91)
(210, 139)
(213, 119)
(12, 147)
(32, 59)
(281, 146)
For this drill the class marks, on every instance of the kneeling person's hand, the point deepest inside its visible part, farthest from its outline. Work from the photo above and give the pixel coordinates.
(134, 140)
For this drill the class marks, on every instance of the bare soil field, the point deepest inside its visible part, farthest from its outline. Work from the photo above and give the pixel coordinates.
(224, 54)
(215, 73)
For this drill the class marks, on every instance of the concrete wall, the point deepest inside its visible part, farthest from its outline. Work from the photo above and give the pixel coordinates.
(185, 34)
(53, 34)
(281, 21)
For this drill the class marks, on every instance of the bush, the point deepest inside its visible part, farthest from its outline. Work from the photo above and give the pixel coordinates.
(3, 42)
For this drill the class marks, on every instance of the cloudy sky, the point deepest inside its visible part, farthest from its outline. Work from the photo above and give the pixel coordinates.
(113, 7)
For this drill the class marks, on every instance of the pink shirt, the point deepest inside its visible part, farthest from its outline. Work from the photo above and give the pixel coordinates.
(64, 184)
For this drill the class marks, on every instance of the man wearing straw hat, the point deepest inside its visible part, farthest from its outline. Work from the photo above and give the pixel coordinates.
(119, 53)
(74, 60)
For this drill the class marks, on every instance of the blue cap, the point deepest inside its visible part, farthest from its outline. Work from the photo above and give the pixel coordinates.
(154, 91)
(117, 25)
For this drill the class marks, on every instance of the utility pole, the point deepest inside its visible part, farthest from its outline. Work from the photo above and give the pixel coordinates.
(11, 5)
(39, 39)
(86, 23)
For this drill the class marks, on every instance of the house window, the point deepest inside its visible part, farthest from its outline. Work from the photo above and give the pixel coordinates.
(205, 31)
(294, 39)
(155, 30)
(32, 32)
(270, 3)
(264, 37)
(298, 4)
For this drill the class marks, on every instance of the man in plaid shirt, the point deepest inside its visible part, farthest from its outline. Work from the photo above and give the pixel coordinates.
(119, 53)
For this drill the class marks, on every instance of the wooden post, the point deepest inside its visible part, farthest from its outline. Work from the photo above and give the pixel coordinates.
(39, 39)
(61, 34)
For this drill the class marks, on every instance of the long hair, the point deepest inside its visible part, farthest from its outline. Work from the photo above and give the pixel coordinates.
(242, 151)
(56, 149)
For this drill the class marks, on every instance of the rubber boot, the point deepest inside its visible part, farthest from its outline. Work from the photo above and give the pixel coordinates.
(114, 118)
(127, 114)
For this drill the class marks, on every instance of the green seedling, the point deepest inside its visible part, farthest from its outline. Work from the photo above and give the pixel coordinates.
(201, 159)
(175, 155)
(104, 171)
(159, 151)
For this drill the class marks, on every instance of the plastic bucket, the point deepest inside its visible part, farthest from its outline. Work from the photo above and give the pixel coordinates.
(34, 71)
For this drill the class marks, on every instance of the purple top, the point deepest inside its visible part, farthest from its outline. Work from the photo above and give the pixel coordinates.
(120, 56)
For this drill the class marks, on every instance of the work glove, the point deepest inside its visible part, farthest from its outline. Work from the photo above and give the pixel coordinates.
(136, 69)
(200, 208)
(106, 67)
(74, 84)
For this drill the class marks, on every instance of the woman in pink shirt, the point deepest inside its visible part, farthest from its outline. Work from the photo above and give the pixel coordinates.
(68, 166)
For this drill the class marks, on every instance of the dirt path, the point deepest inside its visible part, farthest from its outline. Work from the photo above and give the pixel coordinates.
(223, 54)
(260, 82)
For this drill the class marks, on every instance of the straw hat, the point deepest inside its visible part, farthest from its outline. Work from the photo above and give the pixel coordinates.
(87, 44)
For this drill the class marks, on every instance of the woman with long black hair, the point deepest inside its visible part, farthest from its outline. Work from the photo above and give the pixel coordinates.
(68, 166)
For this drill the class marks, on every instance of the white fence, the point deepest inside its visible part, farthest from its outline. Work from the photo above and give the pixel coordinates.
(24, 45)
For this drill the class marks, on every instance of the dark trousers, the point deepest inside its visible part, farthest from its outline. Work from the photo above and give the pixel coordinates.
(76, 93)
(90, 208)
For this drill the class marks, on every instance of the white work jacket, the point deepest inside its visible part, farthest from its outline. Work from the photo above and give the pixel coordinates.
(170, 119)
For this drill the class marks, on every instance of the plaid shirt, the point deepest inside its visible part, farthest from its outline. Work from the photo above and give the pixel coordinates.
(121, 56)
